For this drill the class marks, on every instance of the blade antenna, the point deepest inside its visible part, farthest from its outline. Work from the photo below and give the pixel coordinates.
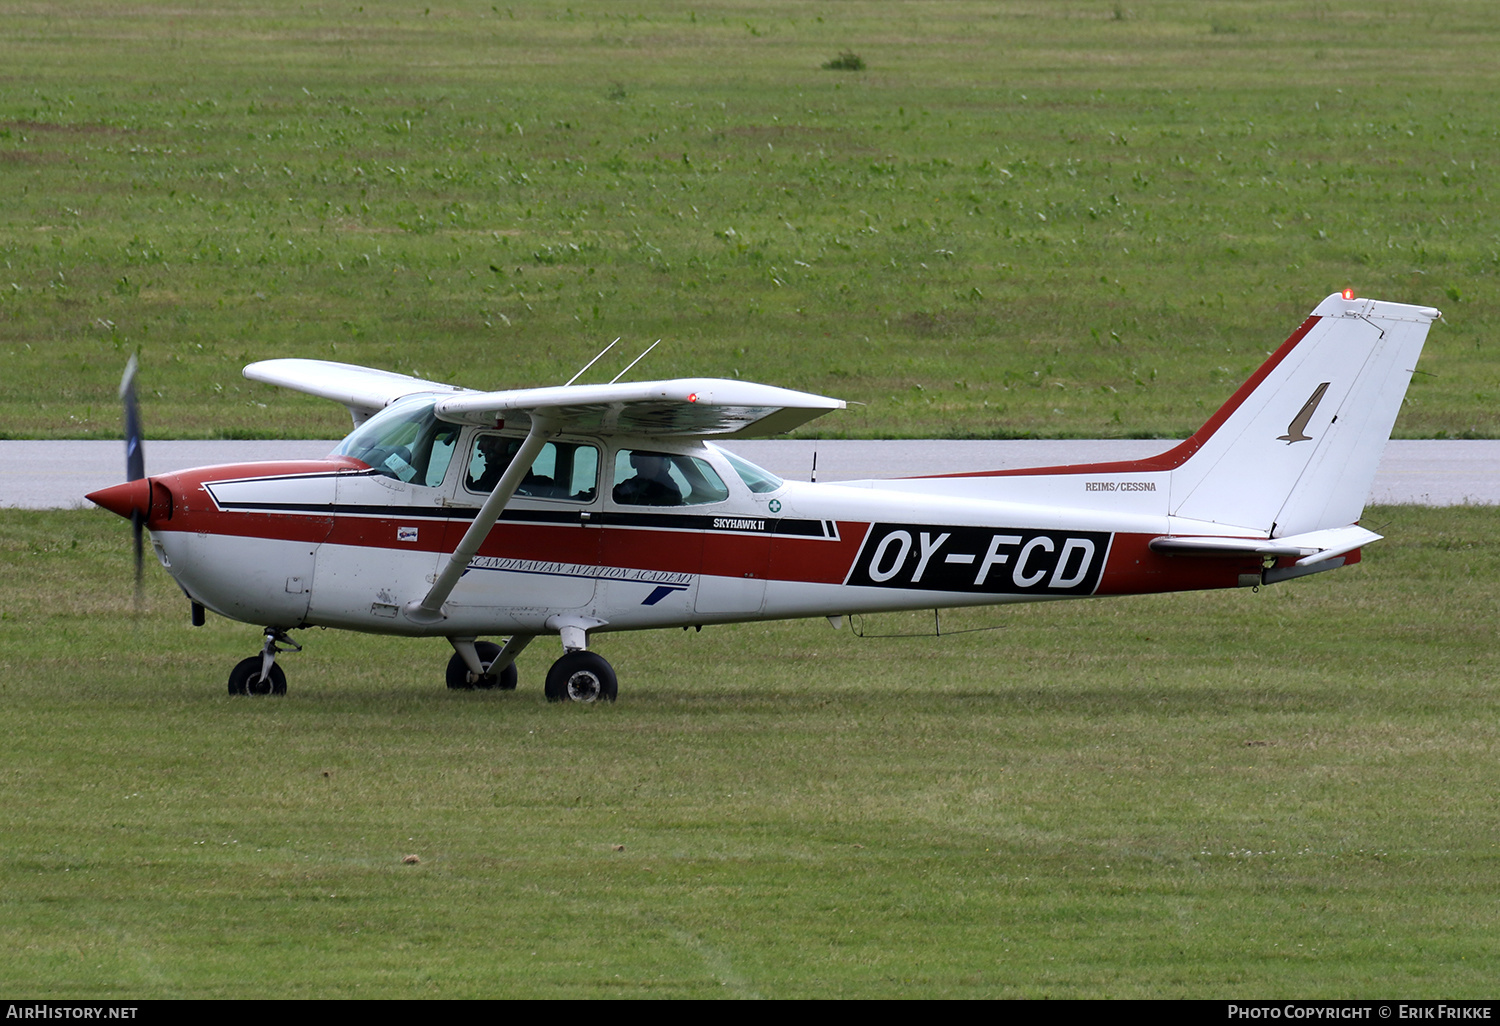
(637, 360)
(586, 366)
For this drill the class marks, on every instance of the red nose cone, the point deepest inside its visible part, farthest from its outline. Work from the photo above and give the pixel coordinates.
(125, 499)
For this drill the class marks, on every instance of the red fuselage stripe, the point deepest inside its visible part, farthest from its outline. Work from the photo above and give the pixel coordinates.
(730, 554)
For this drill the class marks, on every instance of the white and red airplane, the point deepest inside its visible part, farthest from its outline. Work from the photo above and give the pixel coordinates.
(582, 509)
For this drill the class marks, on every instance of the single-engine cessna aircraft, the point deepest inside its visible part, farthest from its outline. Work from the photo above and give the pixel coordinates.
(577, 510)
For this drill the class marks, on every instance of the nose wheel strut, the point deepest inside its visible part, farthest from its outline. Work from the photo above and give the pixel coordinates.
(259, 675)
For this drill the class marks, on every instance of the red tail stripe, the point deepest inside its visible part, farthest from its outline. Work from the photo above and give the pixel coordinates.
(1178, 455)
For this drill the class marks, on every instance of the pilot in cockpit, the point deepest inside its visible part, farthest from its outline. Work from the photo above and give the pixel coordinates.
(492, 455)
(490, 461)
(652, 484)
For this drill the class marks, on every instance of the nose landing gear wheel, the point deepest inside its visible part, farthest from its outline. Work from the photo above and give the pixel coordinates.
(459, 674)
(581, 676)
(244, 679)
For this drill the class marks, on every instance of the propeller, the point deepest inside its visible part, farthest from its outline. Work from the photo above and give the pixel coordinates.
(133, 499)
(135, 464)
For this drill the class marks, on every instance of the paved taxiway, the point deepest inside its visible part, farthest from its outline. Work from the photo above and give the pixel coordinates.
(56, 475)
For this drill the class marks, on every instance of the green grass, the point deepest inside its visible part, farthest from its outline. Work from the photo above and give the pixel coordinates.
(1020, 219)
(1224, 794)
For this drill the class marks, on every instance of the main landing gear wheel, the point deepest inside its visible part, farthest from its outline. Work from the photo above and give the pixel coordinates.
(460, 677)
(582, 676)
(245, 678)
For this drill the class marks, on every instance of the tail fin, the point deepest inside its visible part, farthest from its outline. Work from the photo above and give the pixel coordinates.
(1295, 449)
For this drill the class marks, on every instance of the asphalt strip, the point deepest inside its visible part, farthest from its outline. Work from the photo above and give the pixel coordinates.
(57, 474)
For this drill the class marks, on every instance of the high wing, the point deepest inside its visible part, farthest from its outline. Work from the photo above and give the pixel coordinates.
(686, 407)
(364, 390)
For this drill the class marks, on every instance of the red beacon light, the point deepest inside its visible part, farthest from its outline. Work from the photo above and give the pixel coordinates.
(1348, 293)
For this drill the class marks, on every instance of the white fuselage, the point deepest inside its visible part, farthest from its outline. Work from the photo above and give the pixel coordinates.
(336, 544)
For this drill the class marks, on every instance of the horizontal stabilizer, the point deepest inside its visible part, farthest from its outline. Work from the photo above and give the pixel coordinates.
(1312, 547)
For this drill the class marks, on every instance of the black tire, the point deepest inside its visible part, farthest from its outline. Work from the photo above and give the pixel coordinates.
(458, 670)
(582, 677)
(244, 679)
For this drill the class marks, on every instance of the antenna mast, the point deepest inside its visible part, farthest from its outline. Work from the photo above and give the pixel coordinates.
(586, 366)
(637, 360)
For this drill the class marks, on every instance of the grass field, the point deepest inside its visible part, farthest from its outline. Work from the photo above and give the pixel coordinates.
(1051, 219)
(1227, 794)
(1019, 219)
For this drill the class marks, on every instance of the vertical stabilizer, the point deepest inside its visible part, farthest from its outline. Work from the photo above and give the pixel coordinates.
(1295, 449)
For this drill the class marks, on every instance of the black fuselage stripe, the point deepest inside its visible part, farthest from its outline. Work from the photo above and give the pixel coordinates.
(662, 521)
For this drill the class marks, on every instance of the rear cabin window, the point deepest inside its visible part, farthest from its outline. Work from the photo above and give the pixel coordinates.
(562, 470)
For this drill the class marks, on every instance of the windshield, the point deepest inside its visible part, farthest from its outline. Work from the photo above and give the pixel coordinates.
(756, 479)
(405, 441)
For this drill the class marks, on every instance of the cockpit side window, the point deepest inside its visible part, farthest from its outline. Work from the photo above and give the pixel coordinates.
(405, 441)
(645, 478)
(562, 470)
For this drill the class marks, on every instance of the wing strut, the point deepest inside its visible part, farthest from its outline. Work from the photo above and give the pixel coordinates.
(429, 609)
